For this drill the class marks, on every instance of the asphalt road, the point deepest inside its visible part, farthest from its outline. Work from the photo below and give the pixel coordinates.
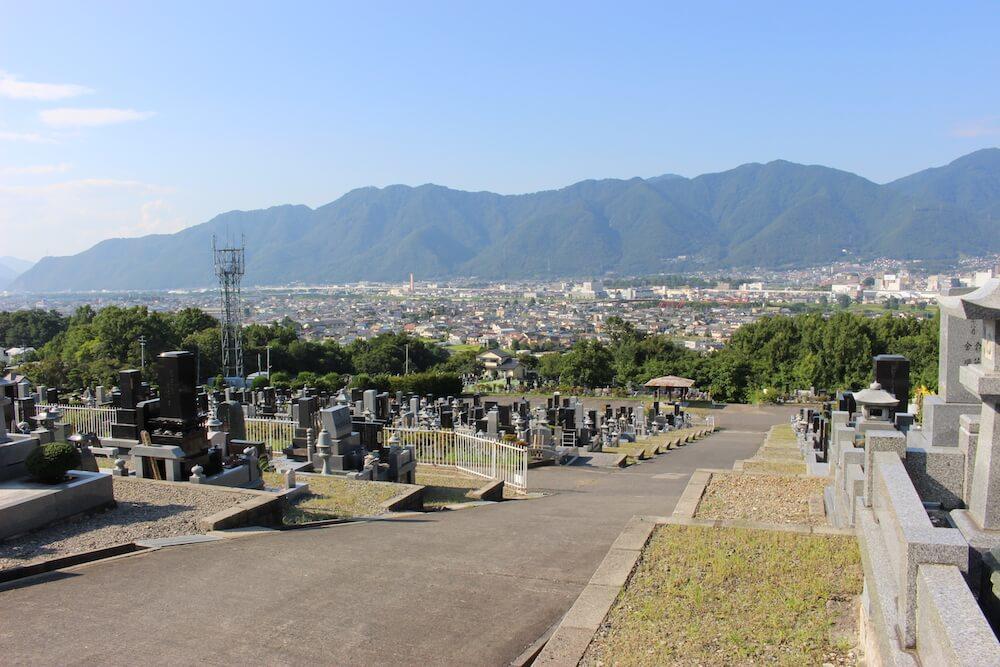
(471, 587)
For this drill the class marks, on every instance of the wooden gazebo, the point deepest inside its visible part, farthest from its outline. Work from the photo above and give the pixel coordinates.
(671, 383)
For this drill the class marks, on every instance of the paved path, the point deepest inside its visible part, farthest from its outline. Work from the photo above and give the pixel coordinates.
(473, 587)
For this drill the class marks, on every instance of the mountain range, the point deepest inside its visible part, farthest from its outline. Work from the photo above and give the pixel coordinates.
(757, 215)
(11, 268)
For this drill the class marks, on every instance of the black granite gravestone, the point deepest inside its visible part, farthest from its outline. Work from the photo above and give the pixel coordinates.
(178, 381)
(892, 371)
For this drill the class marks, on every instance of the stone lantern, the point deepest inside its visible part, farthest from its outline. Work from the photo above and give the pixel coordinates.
(875, 403)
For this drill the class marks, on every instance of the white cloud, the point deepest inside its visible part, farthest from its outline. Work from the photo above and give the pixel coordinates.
(77, 117)
(84, 184)
(70, 216)
(36, 169)
(27, 137)
(156, 217)
(14, 88)
(984, 127)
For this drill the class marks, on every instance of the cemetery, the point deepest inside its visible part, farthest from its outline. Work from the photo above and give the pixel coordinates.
(160, 460)
(877, 524)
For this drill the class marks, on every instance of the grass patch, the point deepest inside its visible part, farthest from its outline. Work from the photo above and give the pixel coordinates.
(444, 486)
(463, 347)
(710, 596)
(336, 498)
(775, 467)
(763, 498)
(781, 434)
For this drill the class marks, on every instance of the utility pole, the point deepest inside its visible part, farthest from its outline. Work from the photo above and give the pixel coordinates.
(268, 362)
(406, 367)
(142, 352)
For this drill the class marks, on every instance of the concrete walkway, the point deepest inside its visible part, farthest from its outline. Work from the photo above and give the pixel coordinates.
(473, 587)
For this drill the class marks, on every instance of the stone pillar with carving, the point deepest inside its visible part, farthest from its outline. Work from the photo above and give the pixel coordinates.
(983, 380)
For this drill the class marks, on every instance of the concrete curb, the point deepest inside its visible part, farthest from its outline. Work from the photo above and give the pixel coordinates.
(571, 638)
(411, 499)
(62, 562)
(492, 492)
(687, 504)
(264, 510)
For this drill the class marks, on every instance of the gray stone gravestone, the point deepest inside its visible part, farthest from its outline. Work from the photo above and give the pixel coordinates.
(337, 421)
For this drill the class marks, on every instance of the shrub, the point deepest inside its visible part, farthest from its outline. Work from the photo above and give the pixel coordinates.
(49, 463)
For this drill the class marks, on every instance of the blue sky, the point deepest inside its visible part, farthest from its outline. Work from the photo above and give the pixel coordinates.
(127, 118)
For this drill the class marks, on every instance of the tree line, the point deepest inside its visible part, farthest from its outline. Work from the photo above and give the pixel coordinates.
(773, 356)
(89, 347)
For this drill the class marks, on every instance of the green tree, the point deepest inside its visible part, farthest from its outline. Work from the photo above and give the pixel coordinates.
(550, 366)
(588, 364)
(387, 354)
(188, 321)
(30, 328)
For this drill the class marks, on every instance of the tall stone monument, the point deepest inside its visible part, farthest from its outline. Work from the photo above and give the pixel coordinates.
(982, 380)
(961, 341)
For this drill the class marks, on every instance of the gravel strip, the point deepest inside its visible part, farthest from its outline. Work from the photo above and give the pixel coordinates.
(144, 511)
(764, 498)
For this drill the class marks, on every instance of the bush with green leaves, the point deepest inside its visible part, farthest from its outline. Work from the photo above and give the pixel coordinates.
(49, 463)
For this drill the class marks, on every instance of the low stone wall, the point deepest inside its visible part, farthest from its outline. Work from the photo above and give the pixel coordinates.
(910, 538)
(27, 505)
(950, 628)
(411, 500)
(916, 596)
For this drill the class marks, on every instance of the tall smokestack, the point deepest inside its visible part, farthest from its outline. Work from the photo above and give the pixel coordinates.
(411, 282)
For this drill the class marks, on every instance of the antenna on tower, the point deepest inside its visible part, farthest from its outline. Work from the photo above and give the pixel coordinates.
(229, 268)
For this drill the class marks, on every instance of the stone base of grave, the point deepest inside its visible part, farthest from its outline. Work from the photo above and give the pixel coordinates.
(13, 454)
(984, 567)
(27, 505)
(940, 425)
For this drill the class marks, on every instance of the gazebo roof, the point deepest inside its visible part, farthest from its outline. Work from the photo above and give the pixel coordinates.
(670, 382)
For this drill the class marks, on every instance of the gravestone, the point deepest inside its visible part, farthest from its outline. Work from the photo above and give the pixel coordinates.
(178, 394)
(337, 421)
(983, 380)
(961, 341)
(368, 401)
(231, 414)
(892, 371)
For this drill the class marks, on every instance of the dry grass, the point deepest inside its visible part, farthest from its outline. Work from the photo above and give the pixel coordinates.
(713, 596)
(336, 497)
(779, 454)
(763, 498)
(444, 486)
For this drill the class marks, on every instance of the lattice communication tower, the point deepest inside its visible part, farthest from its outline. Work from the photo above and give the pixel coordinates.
(229, 268)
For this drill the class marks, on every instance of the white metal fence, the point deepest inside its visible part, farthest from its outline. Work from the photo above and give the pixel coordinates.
(479, 455)
(277, 433)
(84, 419)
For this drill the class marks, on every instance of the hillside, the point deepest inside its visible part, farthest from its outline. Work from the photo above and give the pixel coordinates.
(773, 214)
(11, 268)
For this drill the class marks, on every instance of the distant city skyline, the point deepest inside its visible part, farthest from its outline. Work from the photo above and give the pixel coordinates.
(124, 120)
